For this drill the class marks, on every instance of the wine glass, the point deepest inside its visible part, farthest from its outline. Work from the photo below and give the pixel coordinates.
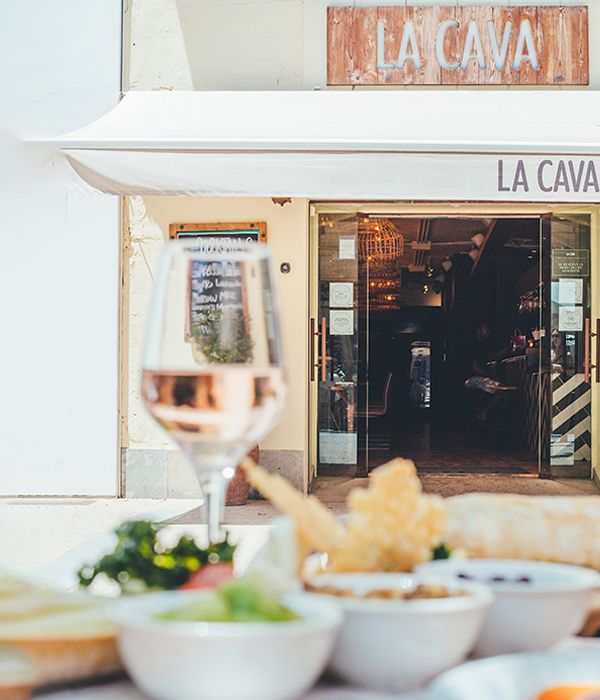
(213, 368)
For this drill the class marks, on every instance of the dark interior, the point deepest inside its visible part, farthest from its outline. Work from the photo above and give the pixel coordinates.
(437, 425)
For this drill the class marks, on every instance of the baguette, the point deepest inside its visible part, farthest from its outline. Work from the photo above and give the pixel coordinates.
(505, 526)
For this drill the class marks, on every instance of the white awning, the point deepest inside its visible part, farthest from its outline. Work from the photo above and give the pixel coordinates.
(443, 144)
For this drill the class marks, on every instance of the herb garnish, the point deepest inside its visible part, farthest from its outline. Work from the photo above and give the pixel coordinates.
(140, 562)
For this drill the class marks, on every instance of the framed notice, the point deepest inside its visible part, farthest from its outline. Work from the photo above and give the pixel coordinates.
(570, 262)
(222, 293)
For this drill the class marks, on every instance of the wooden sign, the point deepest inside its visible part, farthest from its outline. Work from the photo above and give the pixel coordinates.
(248, 231)
(519, 45)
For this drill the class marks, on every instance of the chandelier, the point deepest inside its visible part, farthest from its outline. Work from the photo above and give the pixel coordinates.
(380, 241)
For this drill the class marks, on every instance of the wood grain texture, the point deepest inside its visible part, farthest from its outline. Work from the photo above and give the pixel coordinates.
(220, 228)
(560, 39)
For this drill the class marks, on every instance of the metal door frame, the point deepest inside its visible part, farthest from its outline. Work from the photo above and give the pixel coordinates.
(440, 210)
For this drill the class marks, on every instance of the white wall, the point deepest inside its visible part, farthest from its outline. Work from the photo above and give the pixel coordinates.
(59, 260)
(260, 44)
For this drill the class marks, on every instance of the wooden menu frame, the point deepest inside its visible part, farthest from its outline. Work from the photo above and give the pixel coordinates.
(256, 230)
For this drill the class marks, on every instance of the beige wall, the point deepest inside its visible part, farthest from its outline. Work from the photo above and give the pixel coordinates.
(258, 44)
(287, 229)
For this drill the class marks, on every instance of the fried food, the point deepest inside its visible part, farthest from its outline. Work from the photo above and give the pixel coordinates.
(391, 525)
(317, 527)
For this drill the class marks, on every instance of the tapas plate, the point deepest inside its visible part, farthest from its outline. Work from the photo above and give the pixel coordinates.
(519, 676)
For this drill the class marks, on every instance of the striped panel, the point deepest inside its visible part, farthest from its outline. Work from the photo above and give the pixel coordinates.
(562, 404)
(571, 408)
(560, 389)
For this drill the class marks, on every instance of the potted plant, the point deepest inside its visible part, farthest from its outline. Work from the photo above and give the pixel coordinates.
(239, 487)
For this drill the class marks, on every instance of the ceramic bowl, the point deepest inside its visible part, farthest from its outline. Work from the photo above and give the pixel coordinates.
(536, 604)
(523, 676)
(400, 644)
(174, 660)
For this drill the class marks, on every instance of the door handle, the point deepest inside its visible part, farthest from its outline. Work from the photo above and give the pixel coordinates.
(323, 359)
(587, 351)
(597, 350)
(322, 362)
(311, 360)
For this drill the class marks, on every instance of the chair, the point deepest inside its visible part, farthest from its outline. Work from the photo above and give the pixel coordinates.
(378, 409)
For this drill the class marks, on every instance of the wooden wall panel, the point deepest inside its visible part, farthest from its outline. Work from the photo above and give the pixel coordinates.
(560, 35)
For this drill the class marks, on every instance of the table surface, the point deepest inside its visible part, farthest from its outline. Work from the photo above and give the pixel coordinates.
(61, 574)
(123, 689)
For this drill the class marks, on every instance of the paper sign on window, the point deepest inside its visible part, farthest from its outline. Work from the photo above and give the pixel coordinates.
(347, 248)
(570, 319)
(341, 294)
(570, 290)
(341, 322)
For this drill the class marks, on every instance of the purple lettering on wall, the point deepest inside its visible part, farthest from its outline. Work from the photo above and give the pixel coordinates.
(591, 178)
(540, 175)
(501, 187)
(520, 179)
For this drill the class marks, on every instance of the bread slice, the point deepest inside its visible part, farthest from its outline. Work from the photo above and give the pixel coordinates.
(66, 660)
(65, 636)
(16, 676)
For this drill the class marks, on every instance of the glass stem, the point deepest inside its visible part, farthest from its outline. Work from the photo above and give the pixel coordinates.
(213, 485)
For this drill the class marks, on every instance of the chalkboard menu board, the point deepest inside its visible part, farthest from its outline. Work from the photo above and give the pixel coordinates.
(216, 292)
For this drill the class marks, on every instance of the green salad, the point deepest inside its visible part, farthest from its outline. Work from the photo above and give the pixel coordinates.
(234, 601)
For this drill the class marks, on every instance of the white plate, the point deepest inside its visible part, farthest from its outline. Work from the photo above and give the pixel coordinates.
(518, 676)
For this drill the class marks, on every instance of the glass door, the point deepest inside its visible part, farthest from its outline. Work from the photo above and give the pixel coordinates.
(568, 367)
(334, 333)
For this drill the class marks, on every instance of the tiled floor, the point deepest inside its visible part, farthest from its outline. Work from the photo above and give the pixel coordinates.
(334, 490)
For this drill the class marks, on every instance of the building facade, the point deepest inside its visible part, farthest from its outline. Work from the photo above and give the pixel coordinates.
(517, 195)
(191, 46)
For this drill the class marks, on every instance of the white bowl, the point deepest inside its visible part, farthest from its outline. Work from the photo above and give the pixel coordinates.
(174, 660)
(400, 644)
(519, 676)
(525, 616)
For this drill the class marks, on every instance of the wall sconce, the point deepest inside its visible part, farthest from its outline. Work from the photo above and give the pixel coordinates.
(281, 200)
(478, 239)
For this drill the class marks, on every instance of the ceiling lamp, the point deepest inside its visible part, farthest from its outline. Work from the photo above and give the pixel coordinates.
(380, 241)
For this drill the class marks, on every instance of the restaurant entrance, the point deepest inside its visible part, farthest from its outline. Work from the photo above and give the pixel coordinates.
(465, 342)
